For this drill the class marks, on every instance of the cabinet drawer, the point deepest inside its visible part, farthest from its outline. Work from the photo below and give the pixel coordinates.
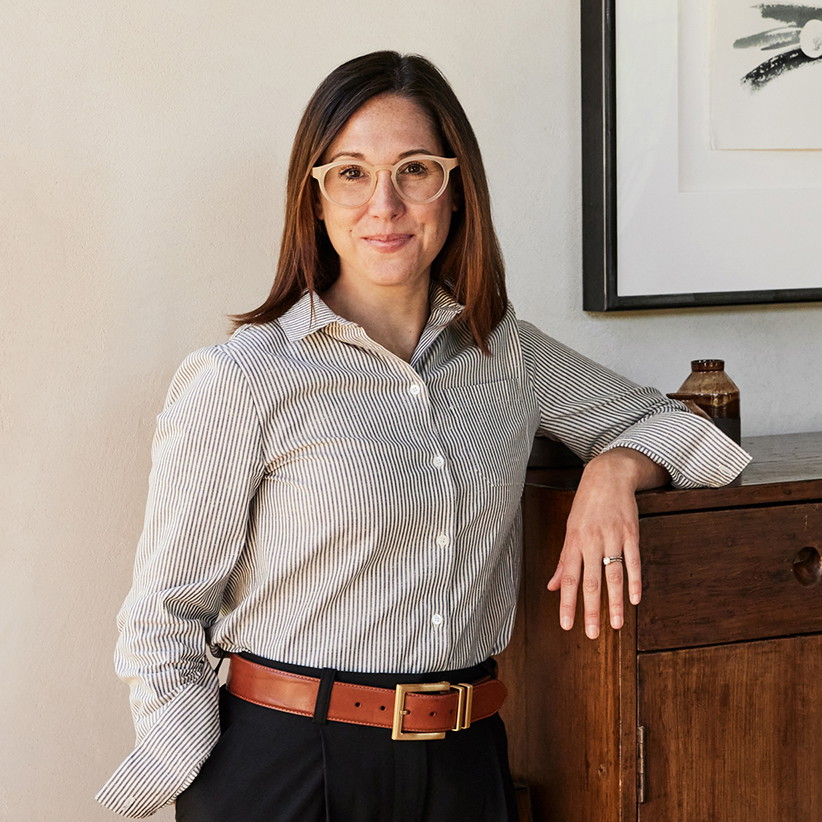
(724, 576)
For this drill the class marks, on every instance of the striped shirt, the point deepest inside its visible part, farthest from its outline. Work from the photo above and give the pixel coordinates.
(315, 499)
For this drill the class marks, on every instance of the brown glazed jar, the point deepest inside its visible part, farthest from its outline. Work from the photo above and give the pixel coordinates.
(716, 394)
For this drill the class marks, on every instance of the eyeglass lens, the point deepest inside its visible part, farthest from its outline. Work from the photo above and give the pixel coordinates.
(417, 181)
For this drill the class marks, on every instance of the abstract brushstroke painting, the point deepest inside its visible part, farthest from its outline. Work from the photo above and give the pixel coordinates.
(759, 98)
(799, 39)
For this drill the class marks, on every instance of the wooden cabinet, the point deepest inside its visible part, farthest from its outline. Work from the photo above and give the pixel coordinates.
(707, 705)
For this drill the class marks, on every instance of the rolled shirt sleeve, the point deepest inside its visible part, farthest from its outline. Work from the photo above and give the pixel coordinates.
(207, 464)
(592, 410)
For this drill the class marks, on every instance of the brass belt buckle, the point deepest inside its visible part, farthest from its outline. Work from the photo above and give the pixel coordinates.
(400, 710)
(462, 720)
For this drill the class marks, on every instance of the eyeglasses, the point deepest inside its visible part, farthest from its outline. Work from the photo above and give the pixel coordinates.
(418, 179)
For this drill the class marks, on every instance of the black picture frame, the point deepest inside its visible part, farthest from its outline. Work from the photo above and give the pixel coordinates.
(600, 111)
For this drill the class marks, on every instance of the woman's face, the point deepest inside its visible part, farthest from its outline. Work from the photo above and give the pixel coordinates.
(386, 242)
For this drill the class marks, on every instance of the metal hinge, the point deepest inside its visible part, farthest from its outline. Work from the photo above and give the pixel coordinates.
(640, 764)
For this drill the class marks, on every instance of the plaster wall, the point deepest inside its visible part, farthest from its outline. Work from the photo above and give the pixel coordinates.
(143, 148)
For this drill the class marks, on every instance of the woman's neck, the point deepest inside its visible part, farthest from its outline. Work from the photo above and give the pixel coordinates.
(393, 316)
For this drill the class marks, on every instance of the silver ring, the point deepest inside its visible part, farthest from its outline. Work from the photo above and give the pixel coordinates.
(609, 560)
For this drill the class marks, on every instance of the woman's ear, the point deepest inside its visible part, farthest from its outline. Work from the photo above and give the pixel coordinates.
(318, 206)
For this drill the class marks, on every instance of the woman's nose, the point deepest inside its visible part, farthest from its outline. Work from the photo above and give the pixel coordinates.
(385, 197)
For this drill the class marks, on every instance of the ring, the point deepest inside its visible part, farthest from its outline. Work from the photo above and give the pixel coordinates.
(609, 560)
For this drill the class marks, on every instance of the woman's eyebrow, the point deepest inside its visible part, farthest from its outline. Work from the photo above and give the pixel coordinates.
(356, 155)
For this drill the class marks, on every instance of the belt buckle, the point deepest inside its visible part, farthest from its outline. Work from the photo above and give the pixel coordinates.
(461, 721)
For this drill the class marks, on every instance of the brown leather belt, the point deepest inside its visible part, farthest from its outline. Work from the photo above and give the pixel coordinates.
(413, 711)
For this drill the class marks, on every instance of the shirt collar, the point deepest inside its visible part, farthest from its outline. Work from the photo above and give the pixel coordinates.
(307, 315)
(310, 314)
(443, 306)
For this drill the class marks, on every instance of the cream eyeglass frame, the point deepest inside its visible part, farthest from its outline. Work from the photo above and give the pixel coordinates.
(448, 164)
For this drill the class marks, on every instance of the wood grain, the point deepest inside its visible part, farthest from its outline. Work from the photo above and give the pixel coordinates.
(734, 729)
(724, 576)
(733, 733)
(571, 709)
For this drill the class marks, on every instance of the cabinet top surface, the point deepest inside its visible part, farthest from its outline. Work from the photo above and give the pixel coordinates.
(785, 468)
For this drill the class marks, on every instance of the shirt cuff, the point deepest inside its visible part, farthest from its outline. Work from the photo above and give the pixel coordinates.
(169, 757)
(693, 450)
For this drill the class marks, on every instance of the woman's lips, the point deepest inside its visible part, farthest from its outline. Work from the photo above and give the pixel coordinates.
(387, 242)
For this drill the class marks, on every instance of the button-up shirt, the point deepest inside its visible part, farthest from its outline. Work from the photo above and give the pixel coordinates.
(315, 499)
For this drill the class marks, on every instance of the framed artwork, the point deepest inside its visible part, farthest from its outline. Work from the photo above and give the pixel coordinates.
(702, 153)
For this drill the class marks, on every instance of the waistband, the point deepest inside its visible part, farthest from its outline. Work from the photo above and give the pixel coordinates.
(472, 673)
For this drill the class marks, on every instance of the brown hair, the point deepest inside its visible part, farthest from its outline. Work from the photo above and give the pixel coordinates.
(469, 266)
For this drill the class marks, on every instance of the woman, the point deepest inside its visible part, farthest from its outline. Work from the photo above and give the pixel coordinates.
(335, 493)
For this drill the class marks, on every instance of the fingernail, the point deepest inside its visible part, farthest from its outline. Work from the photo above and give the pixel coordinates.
(634, 599)
(566, 623)
(591, 630)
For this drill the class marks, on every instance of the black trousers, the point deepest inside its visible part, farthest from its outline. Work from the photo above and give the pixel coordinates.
(270, 766)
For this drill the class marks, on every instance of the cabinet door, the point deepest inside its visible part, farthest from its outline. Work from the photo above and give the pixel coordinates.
(733, 733)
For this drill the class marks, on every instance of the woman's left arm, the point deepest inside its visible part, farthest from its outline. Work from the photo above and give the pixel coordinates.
(603, 523)
(630, 437)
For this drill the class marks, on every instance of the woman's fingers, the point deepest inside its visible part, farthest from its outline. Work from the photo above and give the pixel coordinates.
(614, 581)
(566, 579)
(591, 596)
(633, 568)
(576, 569)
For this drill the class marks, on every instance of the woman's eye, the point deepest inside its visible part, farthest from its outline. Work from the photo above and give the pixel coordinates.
(415, 168)
(351, 173)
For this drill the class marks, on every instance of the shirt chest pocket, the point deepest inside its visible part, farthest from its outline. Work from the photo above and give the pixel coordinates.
(488, 431)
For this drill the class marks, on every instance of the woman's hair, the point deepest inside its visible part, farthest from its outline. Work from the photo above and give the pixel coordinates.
(469, 266)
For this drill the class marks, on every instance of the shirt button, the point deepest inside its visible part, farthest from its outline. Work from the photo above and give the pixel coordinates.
(437, 619)
(438, 461)
(414, 390)
(442, 540)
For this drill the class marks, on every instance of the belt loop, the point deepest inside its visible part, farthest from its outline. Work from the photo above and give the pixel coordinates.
(219, 665)
(327, 678)
(491, 667)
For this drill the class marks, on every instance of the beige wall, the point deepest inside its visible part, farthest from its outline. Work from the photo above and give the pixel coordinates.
(142, 155)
